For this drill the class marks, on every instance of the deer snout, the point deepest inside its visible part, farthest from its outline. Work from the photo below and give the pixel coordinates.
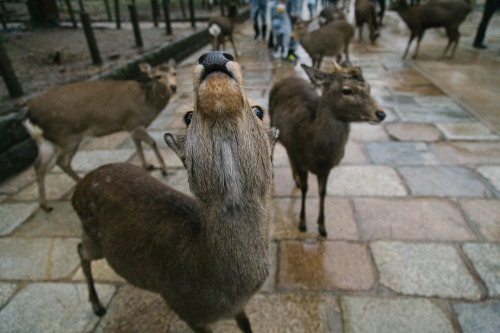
(380, 115)
(215, 62)
(173, 87)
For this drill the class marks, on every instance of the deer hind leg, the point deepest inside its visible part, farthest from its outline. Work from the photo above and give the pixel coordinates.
(243, 322)
(453, 36)
(140, 134)
(303, 187)
(65, 157)
(322, 180)
(88, 251)
(43, 163)
(419, 39)
(412, 37)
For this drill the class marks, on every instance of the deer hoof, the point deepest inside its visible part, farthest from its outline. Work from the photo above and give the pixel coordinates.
(46, 208)
(322, 233)
(164, 173)
(100, 311)
(302, 228)
(150, 167)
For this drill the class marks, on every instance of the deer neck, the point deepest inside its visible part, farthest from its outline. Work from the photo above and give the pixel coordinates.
(329, 130)
(157, 95)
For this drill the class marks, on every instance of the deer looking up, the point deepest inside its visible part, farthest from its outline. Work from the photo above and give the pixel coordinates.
(314, 129)
(221, 27)
(447, 13)
(206, 256)
(60, 118)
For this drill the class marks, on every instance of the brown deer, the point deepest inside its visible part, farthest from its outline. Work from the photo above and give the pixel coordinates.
(221, 27)
(329, 40)
(206, 256)
(314, 129)
(329, 14)
(60, 118)
(447, 13)
(365, 12)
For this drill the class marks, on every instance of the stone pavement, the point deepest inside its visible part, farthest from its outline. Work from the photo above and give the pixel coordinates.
(413, 215)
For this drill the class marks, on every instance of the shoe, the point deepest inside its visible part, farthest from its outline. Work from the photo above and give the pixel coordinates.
(480, 46)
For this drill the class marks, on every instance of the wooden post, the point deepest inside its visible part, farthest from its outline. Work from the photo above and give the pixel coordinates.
(222, 8)
(166, 10)
(191, 13)
(108, 10)
(155, 8)
(183, 9)
(71, 14)
(89, 34)
(117, 14)
(8, 74)
(135, 23)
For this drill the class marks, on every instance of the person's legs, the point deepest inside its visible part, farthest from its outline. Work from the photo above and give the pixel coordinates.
(489, 9)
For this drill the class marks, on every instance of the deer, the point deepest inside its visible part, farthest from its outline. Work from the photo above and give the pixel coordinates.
(329, 14)
(59, 119)
(314, 129)
(365, 12)
(221, 27)
(329, 40)
(205, 255)
(447, 13)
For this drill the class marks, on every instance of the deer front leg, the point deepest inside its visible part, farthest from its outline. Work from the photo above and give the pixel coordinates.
(243, 322)
(412, 37)
(322, 180)
(85, 260)
(303, 186)
(140, 134)
(419, 39)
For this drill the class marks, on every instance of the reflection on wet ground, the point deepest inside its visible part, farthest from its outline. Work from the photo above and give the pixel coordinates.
(412, 211)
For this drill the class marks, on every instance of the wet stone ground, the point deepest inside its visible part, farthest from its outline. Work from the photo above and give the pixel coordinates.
(413, 215)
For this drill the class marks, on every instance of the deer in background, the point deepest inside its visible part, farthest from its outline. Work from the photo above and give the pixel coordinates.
(446, 13)
(365, 12)
(314, 129)
(206, 256)
(329, 14)
(60, 118)
(329, 40)
(221, 27)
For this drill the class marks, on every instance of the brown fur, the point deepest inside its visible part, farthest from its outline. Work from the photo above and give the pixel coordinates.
(206, 256)
(226, 26)
(447, 13)
(314, 129)
(60, 118)
(365, 12)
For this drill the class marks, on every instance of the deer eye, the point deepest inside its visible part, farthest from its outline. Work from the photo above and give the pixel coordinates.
(258, 112)
(188, 117)
(346, 91)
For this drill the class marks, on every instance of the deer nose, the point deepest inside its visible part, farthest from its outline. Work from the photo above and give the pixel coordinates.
(173, 87)
(215, 58)
(380, 115)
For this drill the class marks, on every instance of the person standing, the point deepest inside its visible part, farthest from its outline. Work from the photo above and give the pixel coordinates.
(489, 9)
(258, 8)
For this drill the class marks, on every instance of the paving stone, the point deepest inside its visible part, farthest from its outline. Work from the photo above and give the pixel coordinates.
(61, 222)
(6, 291)
(339, 219)
(56, 186)
(432, 115)
(365, 181)
(18, 182)
(403, 314)
(101, 271)
(466, 131)
(280, 156)
(52, 307)
(400, 153)
(484, 215)
(324, 265)
(413, 132)
(367, 132)
(433, 101)
(468, 152)
(269, 285)
(14, 214)
(411, 219)
(430, 270)
(486, 260)
(443, 181)
(284, 185)
(397, 99)
(354, 154)
(106, 142)
(478, 317)
(492, 174)
(90, 160)
(162, 122)
(37, 258)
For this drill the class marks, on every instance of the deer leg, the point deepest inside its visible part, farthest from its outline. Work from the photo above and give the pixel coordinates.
(44, 161)
(65, 157)
(322, 180)
(234, 46)
(243, 322)
(303, 186)
(453, 36)
(412, 37)
(140, 134)
(419, 39)
(85, 260)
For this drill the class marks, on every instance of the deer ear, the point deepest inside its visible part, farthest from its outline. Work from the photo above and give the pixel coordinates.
(172, 63)
(145, 68)
(273, 133)
(178, 144)
(317, 77)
